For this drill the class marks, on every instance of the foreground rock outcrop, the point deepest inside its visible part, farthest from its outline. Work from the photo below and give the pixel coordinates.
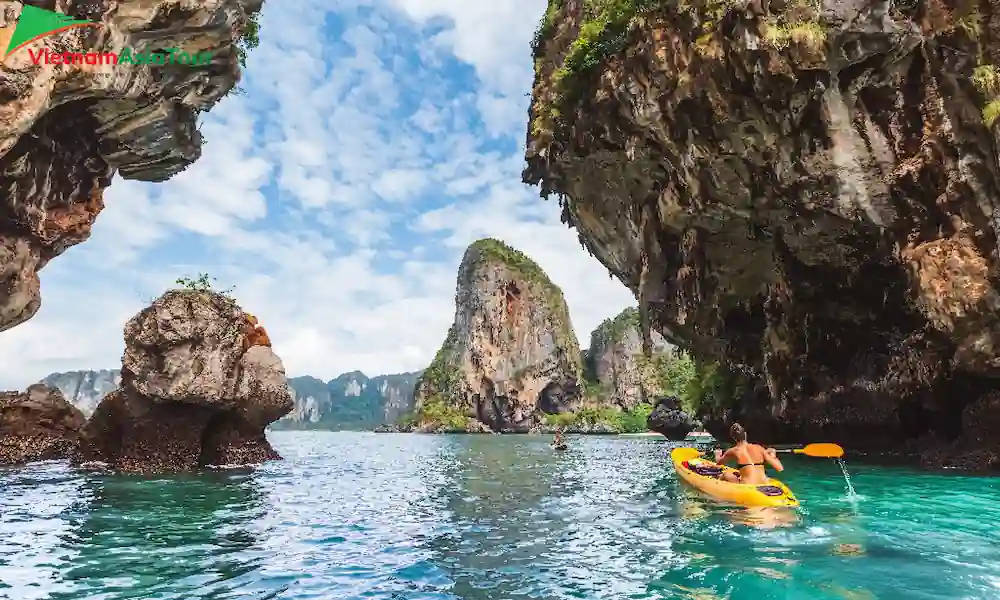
(802, 192)
(195, 390)
(67, 128)
(511, 355)
(37, 425)
(668, 419)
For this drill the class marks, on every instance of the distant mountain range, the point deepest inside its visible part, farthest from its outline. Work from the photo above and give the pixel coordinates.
(351, 401)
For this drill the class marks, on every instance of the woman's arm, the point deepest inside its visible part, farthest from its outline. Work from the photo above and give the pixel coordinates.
(772, 459)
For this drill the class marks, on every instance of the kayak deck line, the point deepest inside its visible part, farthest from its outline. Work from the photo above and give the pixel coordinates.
(705, 475)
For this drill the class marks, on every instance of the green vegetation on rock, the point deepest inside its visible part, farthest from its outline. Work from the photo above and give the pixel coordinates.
(609, 418)
(442, 376)
(604, 27)
(986, 78)
(437, 413)
(601, 34)
(548, 24)
(672, 371)
(203, 283)
(713, 386)
(248, 38)
(613, 330)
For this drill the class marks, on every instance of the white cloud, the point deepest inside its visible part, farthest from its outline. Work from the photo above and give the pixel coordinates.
(337, 195)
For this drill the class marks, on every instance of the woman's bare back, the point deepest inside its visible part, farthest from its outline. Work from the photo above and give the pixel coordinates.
(750, 460)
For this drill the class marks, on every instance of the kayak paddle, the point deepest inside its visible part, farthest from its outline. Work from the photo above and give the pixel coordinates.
(817, 450)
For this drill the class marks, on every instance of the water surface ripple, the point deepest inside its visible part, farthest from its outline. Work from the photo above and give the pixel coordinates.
(405, 517)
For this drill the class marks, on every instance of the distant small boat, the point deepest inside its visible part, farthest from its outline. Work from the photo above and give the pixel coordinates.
(699, 437)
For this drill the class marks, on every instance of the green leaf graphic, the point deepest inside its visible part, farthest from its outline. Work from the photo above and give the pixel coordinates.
(36, 23)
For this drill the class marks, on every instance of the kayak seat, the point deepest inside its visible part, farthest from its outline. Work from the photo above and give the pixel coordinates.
(770, 490)
(705, 470)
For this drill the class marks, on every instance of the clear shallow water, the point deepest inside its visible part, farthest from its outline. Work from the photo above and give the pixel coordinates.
(405, 517)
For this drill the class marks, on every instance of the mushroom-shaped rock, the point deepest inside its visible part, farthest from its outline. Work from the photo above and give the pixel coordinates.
(193, 391)
(37, 425)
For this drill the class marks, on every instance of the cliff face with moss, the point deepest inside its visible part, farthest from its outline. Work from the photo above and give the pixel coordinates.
(511, 355)
(804, 192)
(66, 129)
(616, 367)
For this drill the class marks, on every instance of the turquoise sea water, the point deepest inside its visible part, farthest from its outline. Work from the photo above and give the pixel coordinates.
(351, 516)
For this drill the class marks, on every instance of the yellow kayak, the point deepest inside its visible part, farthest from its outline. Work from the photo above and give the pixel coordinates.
(704, 475)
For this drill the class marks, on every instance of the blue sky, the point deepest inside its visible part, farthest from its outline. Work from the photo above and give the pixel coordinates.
(375, 140)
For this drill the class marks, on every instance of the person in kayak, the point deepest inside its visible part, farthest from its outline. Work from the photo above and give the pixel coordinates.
(749, 458)
(559, 441)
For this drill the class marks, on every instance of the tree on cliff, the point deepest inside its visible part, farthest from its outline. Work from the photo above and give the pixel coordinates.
(248, 38)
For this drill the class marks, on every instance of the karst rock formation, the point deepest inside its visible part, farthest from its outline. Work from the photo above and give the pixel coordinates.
(197, 389)
(511, 354)
(67, 128)
(805, 192)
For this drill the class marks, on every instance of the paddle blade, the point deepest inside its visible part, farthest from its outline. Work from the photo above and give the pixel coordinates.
(822, 450)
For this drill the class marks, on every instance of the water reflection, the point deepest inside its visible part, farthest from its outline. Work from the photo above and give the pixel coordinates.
(172, 537)
(493, 491)
(531, 522)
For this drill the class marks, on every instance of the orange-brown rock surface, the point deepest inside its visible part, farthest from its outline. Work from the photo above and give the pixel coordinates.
(38, 424)
(193, 392)
(511, 355)
(806, 192)
(67, 129)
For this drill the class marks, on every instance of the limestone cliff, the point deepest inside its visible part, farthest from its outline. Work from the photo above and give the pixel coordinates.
(511, 354)
(616, 364)
(803, 191)
(197, 389)
(68, 126)
(84, 389)
(351, 401)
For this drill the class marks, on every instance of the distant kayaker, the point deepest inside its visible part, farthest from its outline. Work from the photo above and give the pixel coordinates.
(559, 441)
(749, 458)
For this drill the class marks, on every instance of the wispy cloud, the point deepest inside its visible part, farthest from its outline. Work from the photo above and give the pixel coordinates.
(374, 142)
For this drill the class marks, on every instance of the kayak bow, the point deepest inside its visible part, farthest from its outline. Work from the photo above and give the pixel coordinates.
(704, 475)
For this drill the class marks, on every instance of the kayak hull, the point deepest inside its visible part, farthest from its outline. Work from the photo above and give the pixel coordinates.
(773, 493)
